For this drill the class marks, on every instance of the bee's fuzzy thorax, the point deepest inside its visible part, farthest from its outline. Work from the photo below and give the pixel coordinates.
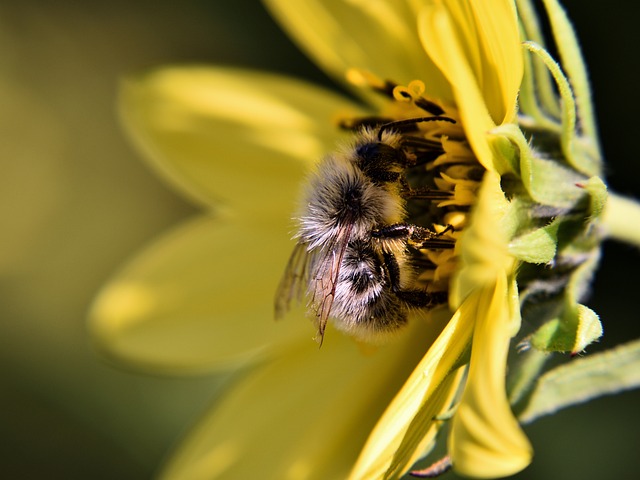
(339, 194)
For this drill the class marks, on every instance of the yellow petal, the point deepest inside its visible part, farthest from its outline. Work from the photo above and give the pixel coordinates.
(408, 425)
(303, 416)
(378, 36)
(486, 440)
(483, 246)
(502, 56)
(199, 298)
(488, 39)
(231, 136)
(476, 46)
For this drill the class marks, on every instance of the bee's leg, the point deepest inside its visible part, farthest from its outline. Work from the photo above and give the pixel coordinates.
(419, 237)
(422, 298)
(413, 298)
(409, 192)
(393, 271)
(427, 194)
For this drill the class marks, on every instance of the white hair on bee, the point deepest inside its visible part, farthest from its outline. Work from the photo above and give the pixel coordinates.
(340, 194)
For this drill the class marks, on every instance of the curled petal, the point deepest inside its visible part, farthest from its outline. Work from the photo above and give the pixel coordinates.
(486, 440)
(483, 247)
(476, 45)
(409, 424)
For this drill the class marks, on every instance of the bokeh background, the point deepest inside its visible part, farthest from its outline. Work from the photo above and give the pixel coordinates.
(76, 202)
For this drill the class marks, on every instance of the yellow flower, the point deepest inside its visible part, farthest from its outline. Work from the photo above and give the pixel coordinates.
(238, 143)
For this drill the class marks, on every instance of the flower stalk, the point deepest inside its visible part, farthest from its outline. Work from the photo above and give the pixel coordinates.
(621, 219)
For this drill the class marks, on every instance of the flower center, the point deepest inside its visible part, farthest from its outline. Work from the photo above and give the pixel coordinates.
(441, 160)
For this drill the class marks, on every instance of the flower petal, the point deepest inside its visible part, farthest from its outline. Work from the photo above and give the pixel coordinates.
(476, 46)
(379, 37)
(503, 61)
(409, 424)
(487, 38)
(486, 440)
(232, 136)
(483, 246)
(302, 416)
(199, 298)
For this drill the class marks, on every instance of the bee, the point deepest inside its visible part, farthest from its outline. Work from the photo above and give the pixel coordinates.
(351, 258)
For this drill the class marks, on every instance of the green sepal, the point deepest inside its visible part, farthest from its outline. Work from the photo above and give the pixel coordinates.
(542, 84)
(597, 191)
(553, 336)
(573, 63)
(537, 246)
(589, 328)
(583, 379)
(530, 99)
(547, 181)
(504, 149)
(578, 327)
(579, 154)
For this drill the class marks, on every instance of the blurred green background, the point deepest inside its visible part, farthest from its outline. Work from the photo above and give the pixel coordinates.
(76, 202)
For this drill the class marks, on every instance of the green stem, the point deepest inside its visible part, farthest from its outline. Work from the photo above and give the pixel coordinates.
(621, 219)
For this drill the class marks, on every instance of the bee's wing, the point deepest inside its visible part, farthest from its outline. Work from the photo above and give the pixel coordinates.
(295, 280)
(326, 279)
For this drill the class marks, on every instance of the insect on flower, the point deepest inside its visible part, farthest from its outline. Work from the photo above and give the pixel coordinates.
(351, 258)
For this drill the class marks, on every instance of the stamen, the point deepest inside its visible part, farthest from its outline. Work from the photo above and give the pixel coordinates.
(428, 106)
(364, 78)
(402, 94)
(410, 121)
(416, 87)
(413, 93)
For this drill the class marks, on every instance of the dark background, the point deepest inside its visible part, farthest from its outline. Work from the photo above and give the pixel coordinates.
(76, 202)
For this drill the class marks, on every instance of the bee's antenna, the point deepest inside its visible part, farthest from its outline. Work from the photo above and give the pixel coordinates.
(411, 121)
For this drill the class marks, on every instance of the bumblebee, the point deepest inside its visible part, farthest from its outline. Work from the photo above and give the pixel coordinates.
(351, 259)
